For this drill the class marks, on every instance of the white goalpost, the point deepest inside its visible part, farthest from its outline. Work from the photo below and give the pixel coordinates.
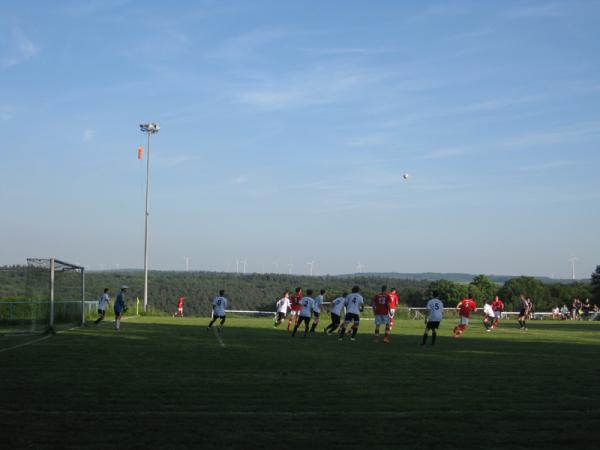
(56, 290)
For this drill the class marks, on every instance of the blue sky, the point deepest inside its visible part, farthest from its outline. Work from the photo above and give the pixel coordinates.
(287, 126)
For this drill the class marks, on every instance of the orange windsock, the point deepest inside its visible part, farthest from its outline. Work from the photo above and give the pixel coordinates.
(140, 152)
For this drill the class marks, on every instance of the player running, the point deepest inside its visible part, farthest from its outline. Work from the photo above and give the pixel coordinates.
(319, 299)
(179, 312)
(381, 308)
(435, 314)
(464, 307)
(103, 303)
(120, 306)
(282, 306)
(489, 317)
(393, 302)
(219, 305)
(524, 313)
(306, 304)
(295, 307)
(354, 305)
(337, 306)
(498, 307)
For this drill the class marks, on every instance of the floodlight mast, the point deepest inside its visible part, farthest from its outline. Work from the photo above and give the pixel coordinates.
(149, 128)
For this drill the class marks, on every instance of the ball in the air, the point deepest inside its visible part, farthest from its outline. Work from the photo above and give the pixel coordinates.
(405, 176)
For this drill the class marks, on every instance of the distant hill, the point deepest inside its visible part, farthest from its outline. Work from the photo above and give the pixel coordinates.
(456, 277)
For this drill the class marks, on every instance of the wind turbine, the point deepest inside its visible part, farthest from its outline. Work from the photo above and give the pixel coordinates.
(276, 266)
(360, 267)
(237, 265)
(573, 259)
(290, 266)
(187, 263)
(311, 265)
(244, 261)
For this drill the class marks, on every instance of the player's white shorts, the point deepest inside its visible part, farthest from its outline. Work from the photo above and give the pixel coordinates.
(294, 313)
(464, 320)
(382, 320)
(392, 312)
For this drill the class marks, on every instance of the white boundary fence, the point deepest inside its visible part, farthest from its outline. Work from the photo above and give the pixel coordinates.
(413, 313)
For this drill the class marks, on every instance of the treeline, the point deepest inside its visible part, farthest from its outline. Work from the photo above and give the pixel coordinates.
(260, 291)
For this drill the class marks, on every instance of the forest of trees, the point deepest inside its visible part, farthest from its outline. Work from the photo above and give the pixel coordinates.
(260, 291)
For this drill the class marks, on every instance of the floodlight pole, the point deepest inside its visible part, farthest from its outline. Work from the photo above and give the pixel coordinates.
(149, 128)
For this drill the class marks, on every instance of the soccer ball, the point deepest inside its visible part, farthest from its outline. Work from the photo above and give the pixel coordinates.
(405, 176)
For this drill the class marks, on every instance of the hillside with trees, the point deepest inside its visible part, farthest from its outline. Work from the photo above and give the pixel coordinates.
(260, 291)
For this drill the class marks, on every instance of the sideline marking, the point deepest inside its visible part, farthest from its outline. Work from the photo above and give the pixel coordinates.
(26, 343)
(49, 335)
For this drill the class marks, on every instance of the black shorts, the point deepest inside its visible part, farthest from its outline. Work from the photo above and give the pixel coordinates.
(523, 312)
(218, 317)
(303, 319)
(316, 314)
(280, 316)
(335, 319)
(101, 312)
(351, 317)
(432, 325)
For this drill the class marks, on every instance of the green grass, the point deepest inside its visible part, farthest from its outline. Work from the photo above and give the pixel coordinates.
(167, 383)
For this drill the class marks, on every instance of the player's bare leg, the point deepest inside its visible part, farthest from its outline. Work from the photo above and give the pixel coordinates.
(353, 331)
(376, 334)
(314, 325)
(388, 330)
(342, 330)
(425, 335)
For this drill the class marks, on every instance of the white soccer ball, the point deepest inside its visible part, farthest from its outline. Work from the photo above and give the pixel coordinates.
(405, 176)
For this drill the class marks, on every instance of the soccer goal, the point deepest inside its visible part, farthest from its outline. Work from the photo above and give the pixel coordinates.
(53, 298)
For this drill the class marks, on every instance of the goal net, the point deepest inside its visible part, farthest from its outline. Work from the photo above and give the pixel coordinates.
(52, 298)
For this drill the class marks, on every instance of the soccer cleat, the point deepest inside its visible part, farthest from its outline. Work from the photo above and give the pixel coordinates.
(352, 338)
(386, 340)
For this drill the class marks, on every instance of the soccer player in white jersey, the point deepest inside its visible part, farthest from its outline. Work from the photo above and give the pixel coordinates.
(306, 305)
(219, 305)
(317, 309)
(354, 305)
(282, 306)
(337, 306)
(103, 303)
(435, 314)
(489, 316)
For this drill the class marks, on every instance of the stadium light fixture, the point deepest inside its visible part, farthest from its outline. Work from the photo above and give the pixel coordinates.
(148, 128)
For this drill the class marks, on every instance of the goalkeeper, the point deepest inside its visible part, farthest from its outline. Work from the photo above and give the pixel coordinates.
(120, 306)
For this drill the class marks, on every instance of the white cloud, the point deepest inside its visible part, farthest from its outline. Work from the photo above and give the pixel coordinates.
(88, 135)
(172, 160)
(240, 180)
(443, 153)
(21, 49)
(550, 165)
(539, 11)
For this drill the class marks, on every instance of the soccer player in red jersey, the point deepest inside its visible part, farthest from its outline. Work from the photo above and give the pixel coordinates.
(393, 302)
(381, 308)
(295, 307)
(179, 312)
(465, 307)
(498, 307)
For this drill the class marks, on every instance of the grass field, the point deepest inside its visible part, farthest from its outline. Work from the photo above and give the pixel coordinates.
(169, 383)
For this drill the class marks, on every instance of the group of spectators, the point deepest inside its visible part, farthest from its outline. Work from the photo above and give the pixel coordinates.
(578, 311)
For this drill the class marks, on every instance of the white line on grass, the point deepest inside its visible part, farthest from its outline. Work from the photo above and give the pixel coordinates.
(26, 343)
(35, 341)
